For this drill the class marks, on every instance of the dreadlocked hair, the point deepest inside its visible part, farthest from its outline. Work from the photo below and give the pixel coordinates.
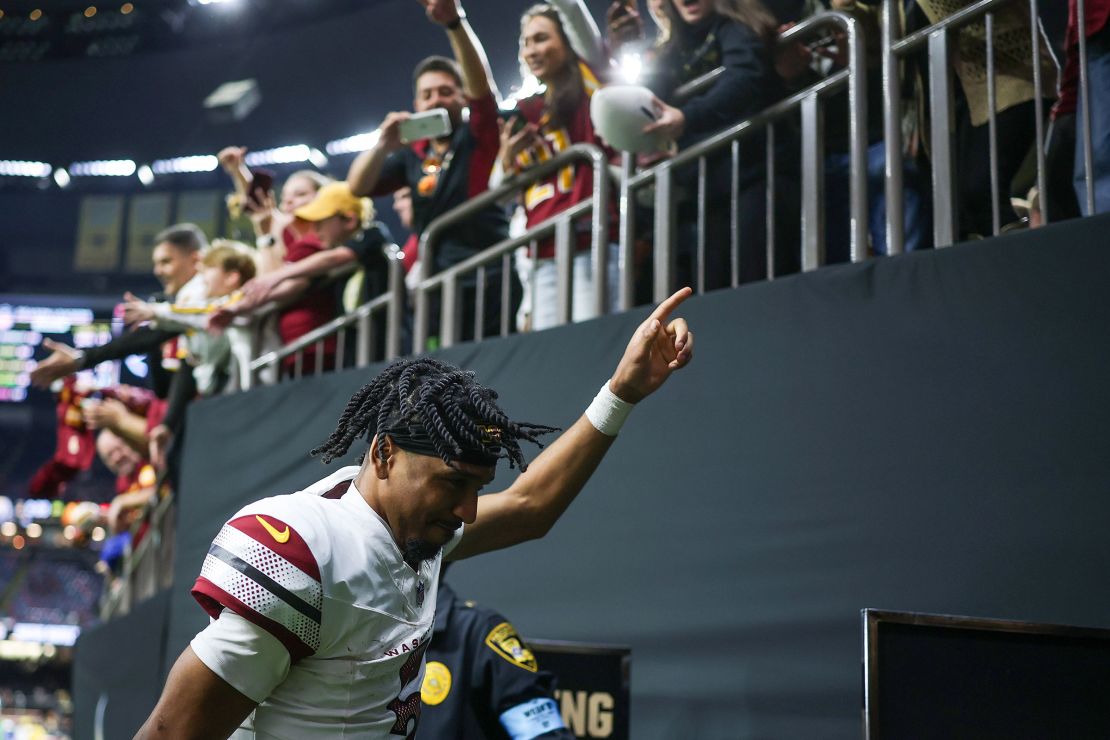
(448, 402)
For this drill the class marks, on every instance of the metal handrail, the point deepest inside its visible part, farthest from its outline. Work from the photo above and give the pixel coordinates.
(129, 592)
(698, 84)
(963, 17)
(559, 224)
(936, 37)
(390, 302)
(854, 77)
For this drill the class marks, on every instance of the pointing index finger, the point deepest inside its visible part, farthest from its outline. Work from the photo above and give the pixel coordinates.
(663, 310)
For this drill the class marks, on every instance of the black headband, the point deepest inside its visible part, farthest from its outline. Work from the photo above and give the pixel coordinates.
(414, 438)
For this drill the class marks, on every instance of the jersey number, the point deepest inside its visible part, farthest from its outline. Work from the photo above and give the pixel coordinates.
(408, 708)
(542, 191)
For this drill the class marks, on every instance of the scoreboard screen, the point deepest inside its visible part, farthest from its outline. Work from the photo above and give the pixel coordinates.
(22, 330)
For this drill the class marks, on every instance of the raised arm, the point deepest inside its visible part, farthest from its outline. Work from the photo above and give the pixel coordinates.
(536, 500)
(477, 77)
(231, 159)
(261, 289)
(64, 360)
(367, 175)
(585, 38)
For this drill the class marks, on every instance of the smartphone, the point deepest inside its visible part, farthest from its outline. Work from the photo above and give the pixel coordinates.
(431, 124)
(262, 182)
(512, 114)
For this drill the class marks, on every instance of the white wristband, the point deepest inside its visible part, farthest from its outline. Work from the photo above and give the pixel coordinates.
(607, 412)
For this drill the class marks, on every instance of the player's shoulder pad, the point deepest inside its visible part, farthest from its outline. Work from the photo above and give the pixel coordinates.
(263, 566)
(506, 643)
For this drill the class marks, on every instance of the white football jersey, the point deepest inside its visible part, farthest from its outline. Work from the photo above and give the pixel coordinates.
(319, 571)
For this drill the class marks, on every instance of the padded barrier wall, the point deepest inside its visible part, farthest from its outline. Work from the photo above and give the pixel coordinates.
(925, 433)
(117, 672)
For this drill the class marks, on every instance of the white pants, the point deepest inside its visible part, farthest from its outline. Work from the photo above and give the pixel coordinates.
(545, 285)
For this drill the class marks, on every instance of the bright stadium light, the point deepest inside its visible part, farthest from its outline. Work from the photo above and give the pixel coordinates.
(16, 168)
(103, 168)
(61, 177)
(146, 175)
(194, 163)
(631, 66)
(280, 155)
(529, 86)
(357, 143)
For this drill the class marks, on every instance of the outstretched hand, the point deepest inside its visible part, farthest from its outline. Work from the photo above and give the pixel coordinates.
(658, 348)
(62, 361)
(669, 121)
(135, 309)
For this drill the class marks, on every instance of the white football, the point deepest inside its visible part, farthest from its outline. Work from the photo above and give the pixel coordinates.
(620, 112)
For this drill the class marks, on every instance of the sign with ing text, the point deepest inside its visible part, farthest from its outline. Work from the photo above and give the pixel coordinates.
(593, 685)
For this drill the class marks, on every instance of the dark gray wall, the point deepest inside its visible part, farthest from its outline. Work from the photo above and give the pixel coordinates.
(921, 433)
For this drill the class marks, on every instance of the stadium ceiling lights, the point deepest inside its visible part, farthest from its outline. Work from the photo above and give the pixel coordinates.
(103, 168)
(351, 144)
(16, 168)
(196, 163)
(287, 155)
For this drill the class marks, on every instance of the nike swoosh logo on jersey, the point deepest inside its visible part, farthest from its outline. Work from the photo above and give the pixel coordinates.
(281, 537)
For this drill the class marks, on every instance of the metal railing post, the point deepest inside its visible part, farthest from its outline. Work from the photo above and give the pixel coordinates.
(449, 317)
(480, 303)
(892, 128)
(1038, 107)
(1085, 109)
(627, 232)
(420, 320)
(771, 196)
(734, 211)
(701, 222)
(857, 131)
(362, 341)
(944, 176)
(599, 236)
(564, 254)
(506, 292)
(813, 175)
(664, 231)
(394, 310)
(992, 126)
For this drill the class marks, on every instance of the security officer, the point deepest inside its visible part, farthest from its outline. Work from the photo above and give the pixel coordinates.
(481, 681)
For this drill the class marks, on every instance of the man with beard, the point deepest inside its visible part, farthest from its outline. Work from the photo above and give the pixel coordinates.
(324, 600)
(446, 172)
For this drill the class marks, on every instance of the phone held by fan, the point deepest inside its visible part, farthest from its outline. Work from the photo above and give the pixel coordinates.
(432, 124)
(514, 116)
(261, 183)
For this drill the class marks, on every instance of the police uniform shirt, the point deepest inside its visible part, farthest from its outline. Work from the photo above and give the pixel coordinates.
(336, 623)
(481, 681)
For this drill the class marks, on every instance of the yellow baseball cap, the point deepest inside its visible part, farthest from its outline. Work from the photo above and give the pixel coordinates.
(333, 198)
